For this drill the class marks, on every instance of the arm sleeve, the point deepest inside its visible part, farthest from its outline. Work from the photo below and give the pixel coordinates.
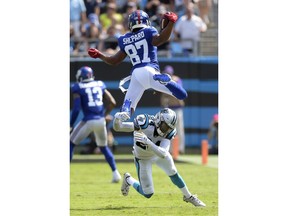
(118, 125)
(159, 151)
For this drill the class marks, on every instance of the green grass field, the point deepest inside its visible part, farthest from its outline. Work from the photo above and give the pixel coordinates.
(91, 192)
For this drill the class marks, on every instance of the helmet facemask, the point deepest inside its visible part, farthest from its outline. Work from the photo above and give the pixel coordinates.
(165, 121)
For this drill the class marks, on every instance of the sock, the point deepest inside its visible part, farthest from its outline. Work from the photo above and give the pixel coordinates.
(179, 182)
(177, 90)
(108, 156)
(139, 189)
(126, 107)
(137, 186)
(72, 145)
(185, 192)
(131, 180)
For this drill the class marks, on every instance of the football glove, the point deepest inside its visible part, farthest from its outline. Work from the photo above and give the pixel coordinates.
(170, 16)
(122, 116)
(140, 137)
(94, 53)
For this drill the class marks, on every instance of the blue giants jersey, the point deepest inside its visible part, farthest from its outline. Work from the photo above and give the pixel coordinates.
(138, 46)
(91, 94)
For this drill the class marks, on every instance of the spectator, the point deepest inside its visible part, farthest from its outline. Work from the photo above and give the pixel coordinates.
(188, 29)
(109, 42)
(204, 7)
(151, 7)
(92, 31)
(163, 49)
(179, 6)
(92, 6)
(93, 27)
(177, 106)
(213, 135)
(111, 17)
(77, 16)
(168, 4)
(129, 3)
(130, 8)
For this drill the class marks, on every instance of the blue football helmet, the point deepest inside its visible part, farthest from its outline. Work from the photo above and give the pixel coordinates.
(84, 74)
(138, 19)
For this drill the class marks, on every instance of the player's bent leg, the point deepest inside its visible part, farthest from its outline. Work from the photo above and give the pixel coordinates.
(116, 177)
(78, 134)
(177, 180)
(100, 132)
(171, 88)
(177, 90)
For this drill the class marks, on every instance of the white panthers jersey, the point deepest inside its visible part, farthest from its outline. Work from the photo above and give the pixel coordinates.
(147, 126)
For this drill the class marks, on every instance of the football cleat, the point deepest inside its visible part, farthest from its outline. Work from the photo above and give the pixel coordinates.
(125, 185)
(116, 177)
(162, 78)
(194, 200)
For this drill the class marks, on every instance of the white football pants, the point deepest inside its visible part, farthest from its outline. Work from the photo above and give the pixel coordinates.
(141, 80)
(144, 170)
(83, 129)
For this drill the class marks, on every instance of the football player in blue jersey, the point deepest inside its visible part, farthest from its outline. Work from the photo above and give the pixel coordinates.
(141, 46)
(152, 137)
(96, 103)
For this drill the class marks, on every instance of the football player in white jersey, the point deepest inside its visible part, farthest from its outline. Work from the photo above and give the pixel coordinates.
(141, 46)
(152, 137)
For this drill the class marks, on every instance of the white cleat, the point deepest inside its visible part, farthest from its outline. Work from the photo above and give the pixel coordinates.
(125, 185)
(194, 200)
(116, 177)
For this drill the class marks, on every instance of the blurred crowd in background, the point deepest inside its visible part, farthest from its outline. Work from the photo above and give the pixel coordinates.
(98, 23)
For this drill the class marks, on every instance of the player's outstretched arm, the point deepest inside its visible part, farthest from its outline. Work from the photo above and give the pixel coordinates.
(142, 138)
(166, 32)
(109, 102)
(112, 60)
(120, 126)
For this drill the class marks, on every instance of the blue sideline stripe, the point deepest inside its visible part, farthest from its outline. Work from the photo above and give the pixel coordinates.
(190, 85)
(193, 59)
(194, 117)
(200, 86)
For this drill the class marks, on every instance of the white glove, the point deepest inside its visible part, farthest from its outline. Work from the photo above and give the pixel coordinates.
(122, 116)
(140, 137)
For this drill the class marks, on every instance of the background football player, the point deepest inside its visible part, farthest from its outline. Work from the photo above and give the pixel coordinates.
(141, 46)
(96, 103)
(152, 138)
